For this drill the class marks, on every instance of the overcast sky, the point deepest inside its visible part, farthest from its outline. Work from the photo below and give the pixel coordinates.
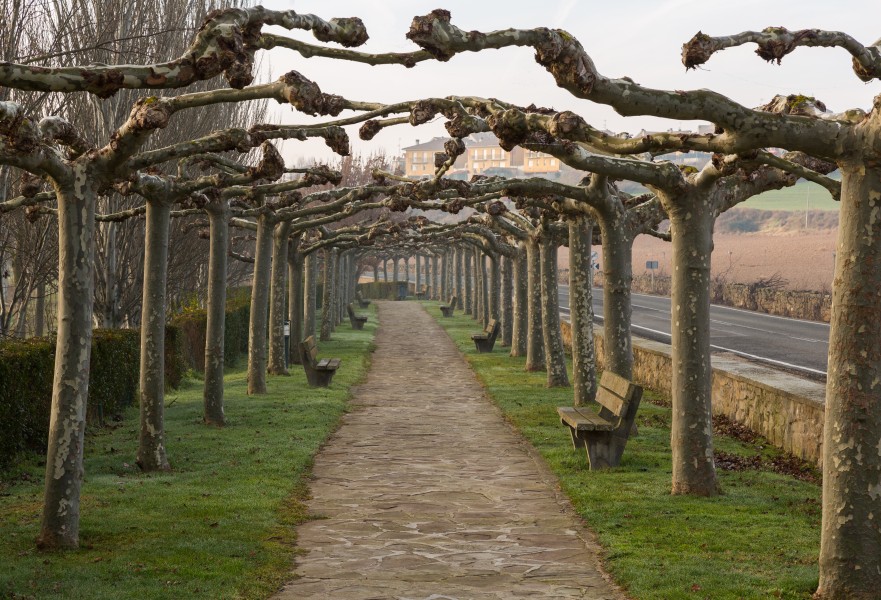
(640, 39)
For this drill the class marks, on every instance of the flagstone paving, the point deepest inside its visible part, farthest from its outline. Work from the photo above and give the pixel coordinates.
(426, 493)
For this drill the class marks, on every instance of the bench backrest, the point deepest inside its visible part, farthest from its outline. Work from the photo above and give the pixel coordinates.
(615, 395)
(350, 311)
(490, 326)
(492, 330)
(309, 351)
(452, 301)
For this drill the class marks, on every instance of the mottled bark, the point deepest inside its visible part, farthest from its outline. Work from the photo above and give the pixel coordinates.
(417, 288)
(458, 274)
(295, 301)
(520, 318)
(617, 277)
(327, 295)
(851, 537)
(444, 288)
(310, 294)
(694, 471)
(555, 355)
(151, 439)
(507, 299)
(395, 276)
(485, 285)
(212, 395)
(495, 287)
(535, 355)
(70, 387)
(385, 270)
(427, 266)
(259, 308)
(468, 272)
(277, 292)
(584, 375)
(435, 281)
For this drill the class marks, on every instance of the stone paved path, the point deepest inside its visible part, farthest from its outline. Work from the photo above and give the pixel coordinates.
(429, 494)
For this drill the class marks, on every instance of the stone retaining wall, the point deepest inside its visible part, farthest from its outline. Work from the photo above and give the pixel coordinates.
(786, 409)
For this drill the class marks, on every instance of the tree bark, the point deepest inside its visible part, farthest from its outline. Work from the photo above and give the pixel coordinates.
(458, 273)
(850, 541)
(495, 287)
(694, 471)
(535, 357)
(444, 288)
(277, 289)
(520, 318)
(259, 308)
(416, 288)
(617, 278)
(584, 375)
(151, 441)
(427, 267)
(395, 276)
(295, 301)
(555, 355)
(212, 395)
(435, 282)
(468, 272)
(70, 387)
(327, 296)
(507, 299)
(310, 299)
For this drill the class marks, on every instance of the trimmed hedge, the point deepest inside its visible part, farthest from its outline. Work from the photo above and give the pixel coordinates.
(192, 322)
(27, 368)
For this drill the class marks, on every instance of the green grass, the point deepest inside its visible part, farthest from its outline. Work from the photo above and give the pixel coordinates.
(220, 525)
(795, 198)
(760, 539)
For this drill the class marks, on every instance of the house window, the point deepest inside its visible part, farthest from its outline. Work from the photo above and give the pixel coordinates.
(531, 163)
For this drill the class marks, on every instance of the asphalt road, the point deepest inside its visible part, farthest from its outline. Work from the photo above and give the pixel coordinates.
(798, 346)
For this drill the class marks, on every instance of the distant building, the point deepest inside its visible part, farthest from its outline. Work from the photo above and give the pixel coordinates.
(482, 153)
(539, 163)
(419, 158)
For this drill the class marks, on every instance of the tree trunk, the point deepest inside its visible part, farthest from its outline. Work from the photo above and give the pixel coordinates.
(310, 298)
(460, 268)
(617, 278)
(427, 267)
(327, 296)
(468, 272)
(277, 290)
(694, 471)
(584, 374)
(218, 220)
(555, 355)
(395, 276)
(435, 281)
(295, 301)
(495, 287)
(73, 346)
(151, 441)
(259, 308)
(417, 289)
(336, 290)
(850, 542)
(507, 308)
(520, 317)
(535, 355)
(384, 270)
(444, 289)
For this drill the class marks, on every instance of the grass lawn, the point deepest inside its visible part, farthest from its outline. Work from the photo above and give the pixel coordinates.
(760, 539)
(220, 525)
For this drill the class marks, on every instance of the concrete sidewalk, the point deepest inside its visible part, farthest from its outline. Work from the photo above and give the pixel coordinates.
(429, 494)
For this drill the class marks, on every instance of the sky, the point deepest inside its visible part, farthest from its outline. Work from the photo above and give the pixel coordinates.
(640, 39)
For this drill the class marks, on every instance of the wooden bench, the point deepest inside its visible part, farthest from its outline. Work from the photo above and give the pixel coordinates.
(486, 340)
(447, 310)
(357, 321)
(318, 372)
(361, 301)
(604, 435)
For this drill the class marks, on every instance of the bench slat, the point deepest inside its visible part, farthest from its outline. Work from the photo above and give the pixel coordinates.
(611, 401)
(585, 420)
(617, 384)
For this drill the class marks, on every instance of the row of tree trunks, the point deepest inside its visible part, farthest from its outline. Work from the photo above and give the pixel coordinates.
(584, 374)
(278, 290)
(507, 299)
(520, 317)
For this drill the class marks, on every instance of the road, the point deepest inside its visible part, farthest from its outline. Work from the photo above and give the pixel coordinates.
(792, 344)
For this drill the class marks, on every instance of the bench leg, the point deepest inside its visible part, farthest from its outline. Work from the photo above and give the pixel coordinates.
(577, 441)
(323, 378)
(357, 325)
(604, 451)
